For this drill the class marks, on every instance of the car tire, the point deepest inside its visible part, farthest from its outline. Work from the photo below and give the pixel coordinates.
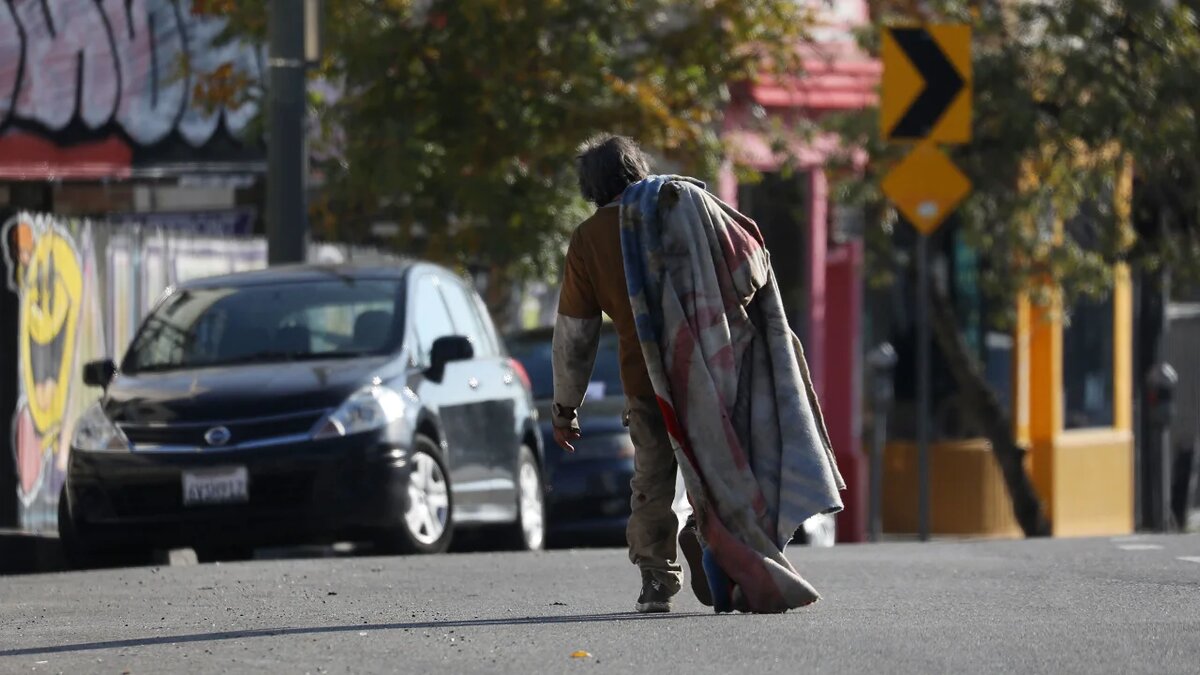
(427, 523)
(528, 533)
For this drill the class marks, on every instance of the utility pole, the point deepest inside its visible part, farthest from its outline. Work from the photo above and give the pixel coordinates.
(287, 152)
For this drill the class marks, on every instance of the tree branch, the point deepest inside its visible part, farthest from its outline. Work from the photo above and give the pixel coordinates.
(984, 404)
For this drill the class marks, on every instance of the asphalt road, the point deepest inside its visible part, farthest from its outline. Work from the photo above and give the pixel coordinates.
(1058, 606)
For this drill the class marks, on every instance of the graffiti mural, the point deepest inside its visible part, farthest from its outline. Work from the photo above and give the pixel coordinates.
(122, 291)
(167, 261)
(128, 64)
(82, 288)
(51, 268)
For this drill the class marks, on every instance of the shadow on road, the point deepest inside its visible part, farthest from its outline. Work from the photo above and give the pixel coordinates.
(318, 630)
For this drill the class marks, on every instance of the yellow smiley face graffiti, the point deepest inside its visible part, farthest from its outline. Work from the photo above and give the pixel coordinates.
(51, 290)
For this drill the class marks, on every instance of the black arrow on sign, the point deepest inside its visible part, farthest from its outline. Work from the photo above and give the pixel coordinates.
(942, 83)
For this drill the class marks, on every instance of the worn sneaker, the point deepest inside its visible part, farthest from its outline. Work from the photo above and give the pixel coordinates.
(655, 597)
(689, 546)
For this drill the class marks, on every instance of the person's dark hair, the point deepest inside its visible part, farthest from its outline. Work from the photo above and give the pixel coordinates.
(607, 165)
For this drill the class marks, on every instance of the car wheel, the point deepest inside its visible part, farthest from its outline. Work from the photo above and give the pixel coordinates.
(529, 532)
(427, 524)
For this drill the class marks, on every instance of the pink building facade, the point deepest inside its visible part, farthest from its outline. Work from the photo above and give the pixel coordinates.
(802, 224)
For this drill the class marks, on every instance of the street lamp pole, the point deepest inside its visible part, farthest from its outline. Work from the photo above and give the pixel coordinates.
(287, 156)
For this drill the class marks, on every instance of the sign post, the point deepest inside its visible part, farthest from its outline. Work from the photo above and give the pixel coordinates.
(924, 383)
(927, 100)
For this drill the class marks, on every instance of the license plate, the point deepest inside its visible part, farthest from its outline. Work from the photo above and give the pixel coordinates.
(216, 486)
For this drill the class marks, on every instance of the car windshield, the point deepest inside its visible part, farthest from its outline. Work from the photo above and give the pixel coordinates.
(534, 355)
(335, 318)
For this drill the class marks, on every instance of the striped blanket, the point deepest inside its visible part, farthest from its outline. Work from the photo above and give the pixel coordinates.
(733, 386)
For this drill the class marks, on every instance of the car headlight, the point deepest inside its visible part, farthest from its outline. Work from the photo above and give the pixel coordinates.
(367, 409)
(94, 432)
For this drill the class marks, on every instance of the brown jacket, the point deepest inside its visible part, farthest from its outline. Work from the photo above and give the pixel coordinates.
(594, 283)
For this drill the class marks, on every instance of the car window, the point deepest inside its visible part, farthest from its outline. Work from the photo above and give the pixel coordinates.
(268, 322)
(535, 356)
(466, 318)
(430, 320)
(485, 318)
(606, 375)
(359, 326)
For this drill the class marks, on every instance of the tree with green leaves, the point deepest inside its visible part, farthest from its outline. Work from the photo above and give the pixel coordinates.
(458, 120)
(1068, 94)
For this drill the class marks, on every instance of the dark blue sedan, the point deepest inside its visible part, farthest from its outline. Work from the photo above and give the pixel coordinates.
(588, 490)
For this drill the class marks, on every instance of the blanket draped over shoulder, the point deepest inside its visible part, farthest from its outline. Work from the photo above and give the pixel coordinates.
(732, 382)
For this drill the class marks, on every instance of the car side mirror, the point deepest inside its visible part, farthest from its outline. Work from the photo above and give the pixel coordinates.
(446, 350)
(99, 373)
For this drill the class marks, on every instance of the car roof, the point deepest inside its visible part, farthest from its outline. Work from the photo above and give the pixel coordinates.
(547, 332)
(301, 273)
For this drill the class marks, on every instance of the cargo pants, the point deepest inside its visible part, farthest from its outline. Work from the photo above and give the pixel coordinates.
(653, 524)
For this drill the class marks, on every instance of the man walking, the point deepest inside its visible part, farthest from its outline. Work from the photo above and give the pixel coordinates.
(594, 283)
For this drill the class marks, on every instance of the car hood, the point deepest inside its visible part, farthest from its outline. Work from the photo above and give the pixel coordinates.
(241, 391)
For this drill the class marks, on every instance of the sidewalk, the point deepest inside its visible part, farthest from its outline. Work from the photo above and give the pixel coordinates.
(25, 553)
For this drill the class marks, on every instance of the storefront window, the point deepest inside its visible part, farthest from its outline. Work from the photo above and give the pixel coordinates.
(779, 204)
(1088, 338)
(989, 344)
(1088, 365)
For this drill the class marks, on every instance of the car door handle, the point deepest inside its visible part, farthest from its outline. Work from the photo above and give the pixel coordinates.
(473, 383)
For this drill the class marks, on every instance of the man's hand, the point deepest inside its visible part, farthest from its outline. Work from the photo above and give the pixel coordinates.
(563, 436)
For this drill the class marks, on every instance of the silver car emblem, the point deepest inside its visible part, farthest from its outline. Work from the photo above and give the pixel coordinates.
(217, 436)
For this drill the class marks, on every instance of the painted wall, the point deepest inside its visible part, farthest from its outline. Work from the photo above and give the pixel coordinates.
(82, 287)
(114, 63)
(837, 76)
(110, 79)
(842, 393)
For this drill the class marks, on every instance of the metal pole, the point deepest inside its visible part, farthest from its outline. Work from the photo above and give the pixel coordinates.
(287, 165)
(877, 475)
(1193, 482)
(923, 385)
(1165, 476)
(1169, 382)
(1162, 383)
(1155, 514)
(882, 361)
